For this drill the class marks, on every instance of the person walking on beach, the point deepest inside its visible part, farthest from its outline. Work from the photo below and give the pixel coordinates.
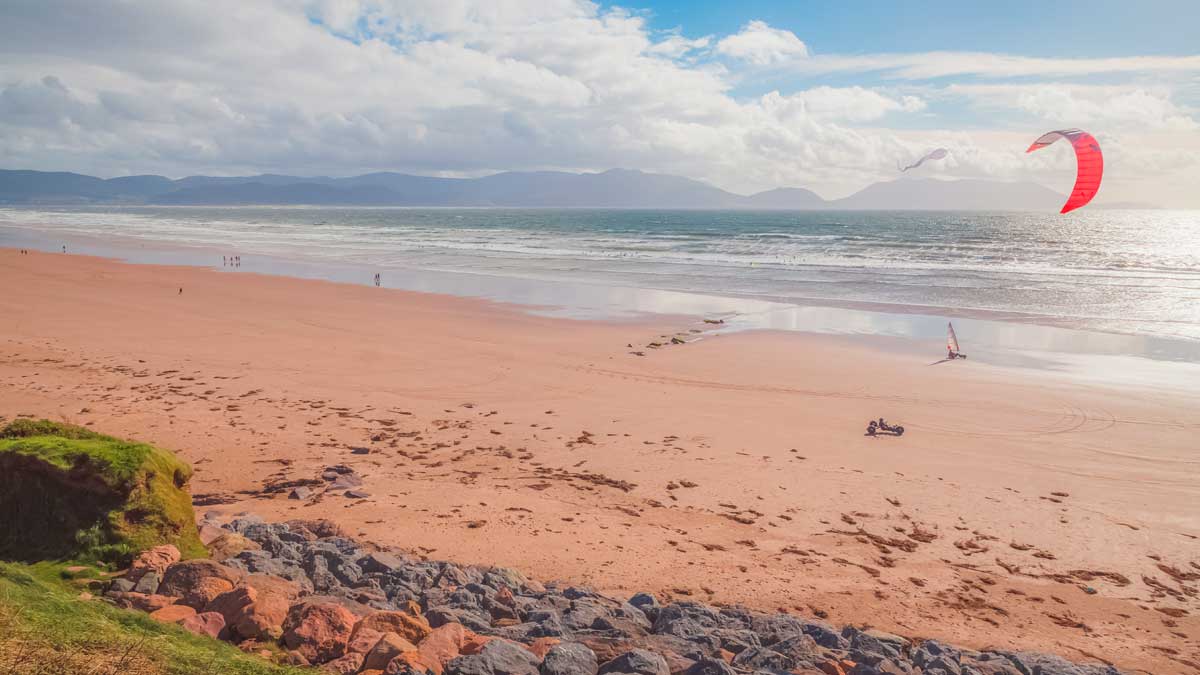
(377, 279)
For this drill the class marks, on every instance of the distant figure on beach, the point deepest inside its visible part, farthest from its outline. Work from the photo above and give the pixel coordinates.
(222, 261)
(377, 278)
(64, 248)
(181, 290)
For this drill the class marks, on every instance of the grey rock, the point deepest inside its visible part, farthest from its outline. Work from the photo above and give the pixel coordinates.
(569, 658)
(148, 584)
(359, 450)
(637, 662)
(346, 481)
(798, 648)
(762, 658)
(709, 666)
(380, 562)
(121, 585)
(357, 494)
(647, 603)
(497, 657)
(300, 492)
(688, 620)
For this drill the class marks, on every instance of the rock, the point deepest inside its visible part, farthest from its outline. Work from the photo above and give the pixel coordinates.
(569, 658)
(411, 628)
(347, 664)
(539, 647)
(301, 492)
(172, 613)
(381, 562)
(141, 601)
(197, 582)
(362, 641)
(709, 667)
(210, 624)
(253, 614)
(359, 450)
(357, 494)
(688, 620)
(637, 662)
(408, 663)
(443, 644)
(762, 658)
(798, 648)
(208, 531)
(121, 585)
(153, 561)
(229, 545)
(387, 648)
(318, 630)
(497, 657)
(346, 481)
(148, 584)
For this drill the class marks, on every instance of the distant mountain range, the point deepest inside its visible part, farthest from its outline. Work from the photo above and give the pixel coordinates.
(616, 188)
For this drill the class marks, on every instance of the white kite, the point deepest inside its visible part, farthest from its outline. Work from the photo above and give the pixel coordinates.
(939, 153)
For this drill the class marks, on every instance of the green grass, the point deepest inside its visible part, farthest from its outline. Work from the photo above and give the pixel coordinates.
(45, 628)
(68, 492)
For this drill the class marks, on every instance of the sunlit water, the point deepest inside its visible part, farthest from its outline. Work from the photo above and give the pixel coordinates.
(1123, 282)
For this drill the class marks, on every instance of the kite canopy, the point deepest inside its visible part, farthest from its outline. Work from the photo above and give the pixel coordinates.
(940, 153)
(1090, 164)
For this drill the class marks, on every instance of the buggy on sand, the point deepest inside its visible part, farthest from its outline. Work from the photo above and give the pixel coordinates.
(882, 427)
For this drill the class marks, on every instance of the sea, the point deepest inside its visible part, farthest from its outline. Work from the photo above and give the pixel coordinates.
(1123, 283)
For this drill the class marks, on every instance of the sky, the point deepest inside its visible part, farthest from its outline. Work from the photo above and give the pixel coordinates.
(747, 95)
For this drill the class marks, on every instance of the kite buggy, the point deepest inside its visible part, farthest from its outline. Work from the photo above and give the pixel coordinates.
(952, 351)
(882, 427)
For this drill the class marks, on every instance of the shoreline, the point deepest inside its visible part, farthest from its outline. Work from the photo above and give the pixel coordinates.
(1001, 338)
(572, 473)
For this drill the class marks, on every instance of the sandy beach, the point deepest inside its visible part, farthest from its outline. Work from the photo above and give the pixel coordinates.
(1021, 509)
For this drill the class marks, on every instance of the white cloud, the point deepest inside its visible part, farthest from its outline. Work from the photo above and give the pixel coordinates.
(762, 45)
(932, 65)
(1112, 106)
(847, 104)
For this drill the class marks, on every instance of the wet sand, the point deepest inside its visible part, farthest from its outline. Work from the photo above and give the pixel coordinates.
(1020, 509)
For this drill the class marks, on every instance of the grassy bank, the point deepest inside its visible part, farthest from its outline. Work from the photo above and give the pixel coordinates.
(68, 492)
(46, 628)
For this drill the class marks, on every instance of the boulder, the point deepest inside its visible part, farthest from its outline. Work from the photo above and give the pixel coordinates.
(442, 645)
(569, 658)
(411, 628)
(148, 584)
(197, 582)
(172, 613)
(318, 630)
(153, 561)
(362, 641)
(230, 544)
(637, 662)
(380, 562)
(120, 585)
(709, 667)
(210, 624)
(347, 664)
(762, 658)
(498, 657)
(251, 614)
(141, 601)
(387, 648)
(539, 647)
